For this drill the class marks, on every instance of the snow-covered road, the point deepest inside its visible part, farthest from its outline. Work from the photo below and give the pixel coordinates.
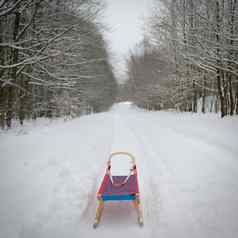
(188, 172)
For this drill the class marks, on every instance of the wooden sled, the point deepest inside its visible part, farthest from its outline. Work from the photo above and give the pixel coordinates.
(119, 188)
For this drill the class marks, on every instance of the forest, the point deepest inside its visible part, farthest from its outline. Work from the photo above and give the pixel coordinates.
(118, 118)
(188, 59)
(54, 60)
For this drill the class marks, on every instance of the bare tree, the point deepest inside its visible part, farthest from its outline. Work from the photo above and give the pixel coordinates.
(200, 38)
(50, 52)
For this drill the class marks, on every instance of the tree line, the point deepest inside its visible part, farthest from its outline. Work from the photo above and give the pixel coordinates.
(189, 57)
(54, 61)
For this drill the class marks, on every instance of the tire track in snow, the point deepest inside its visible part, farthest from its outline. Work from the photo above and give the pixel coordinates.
(150, 195)
(88, 215)
(160, 175)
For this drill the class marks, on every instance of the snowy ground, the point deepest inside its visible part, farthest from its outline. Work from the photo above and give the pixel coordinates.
(188, 169)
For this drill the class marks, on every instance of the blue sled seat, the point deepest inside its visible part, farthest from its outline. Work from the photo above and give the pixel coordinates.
(124, 197)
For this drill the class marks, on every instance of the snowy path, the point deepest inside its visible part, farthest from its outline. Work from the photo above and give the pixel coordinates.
(188, 170)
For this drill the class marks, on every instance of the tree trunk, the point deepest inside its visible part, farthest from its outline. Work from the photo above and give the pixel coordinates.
(14, 71)
(219, 72)
(22, 106)
(194, 98)
(204, 94)
(2, 91)
(231, 100)
(236, 99)
(232, 8)
(220, 92)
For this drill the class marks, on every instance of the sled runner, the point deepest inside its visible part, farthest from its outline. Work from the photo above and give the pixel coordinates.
(119, 188)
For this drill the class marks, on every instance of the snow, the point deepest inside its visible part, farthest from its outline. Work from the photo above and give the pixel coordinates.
(121, 165)
(187, 164)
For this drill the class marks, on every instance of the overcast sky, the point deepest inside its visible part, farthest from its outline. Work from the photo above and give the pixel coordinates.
(125, 18)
